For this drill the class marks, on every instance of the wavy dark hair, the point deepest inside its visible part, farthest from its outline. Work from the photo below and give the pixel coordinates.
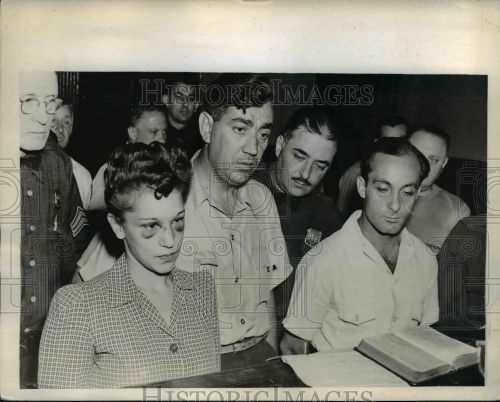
(314, 120)
(136, 167)
(239, 90)
(396, 147)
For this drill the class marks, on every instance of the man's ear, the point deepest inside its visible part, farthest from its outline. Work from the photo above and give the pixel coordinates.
(445, 162)
(206, 123)
(361, 184)
(116, 226)
(280, 143)
(132, 134)
(165, 99)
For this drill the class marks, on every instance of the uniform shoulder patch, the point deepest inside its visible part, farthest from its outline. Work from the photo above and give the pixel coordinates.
(79, 221)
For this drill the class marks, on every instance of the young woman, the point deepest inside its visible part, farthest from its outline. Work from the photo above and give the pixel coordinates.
(143, 321)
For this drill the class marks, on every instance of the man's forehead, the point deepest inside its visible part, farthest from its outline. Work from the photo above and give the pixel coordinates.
(391, 168)
(43, 83)
(427, 140)
(183, 88)
(312, 143)
(63, 110)
(152, 115)
(251, 112)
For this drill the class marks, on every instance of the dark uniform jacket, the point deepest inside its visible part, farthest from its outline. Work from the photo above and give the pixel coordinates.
(305, 221)
(187, 138)
(54, 232)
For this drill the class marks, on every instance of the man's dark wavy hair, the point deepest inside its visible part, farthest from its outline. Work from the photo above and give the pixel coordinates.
(239, 90)
(396, 147)
(137, 167)
(315, 120)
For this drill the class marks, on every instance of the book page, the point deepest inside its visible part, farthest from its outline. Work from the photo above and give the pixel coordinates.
(440, 345)
(402, 357)
(346, 368)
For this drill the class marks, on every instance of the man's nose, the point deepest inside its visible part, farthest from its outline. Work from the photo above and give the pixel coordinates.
(395, 203)
(41, 115)
(251, 145)
(306, 170)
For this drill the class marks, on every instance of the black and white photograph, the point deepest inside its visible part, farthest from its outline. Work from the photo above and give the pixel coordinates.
(189, 231)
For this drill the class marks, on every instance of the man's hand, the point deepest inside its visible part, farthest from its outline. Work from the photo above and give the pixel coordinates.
(293, 345)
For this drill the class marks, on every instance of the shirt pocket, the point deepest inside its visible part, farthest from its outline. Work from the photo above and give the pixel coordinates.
(417, 311)
(357, 314)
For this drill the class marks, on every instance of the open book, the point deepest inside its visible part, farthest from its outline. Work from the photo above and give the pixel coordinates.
(341, 368)
(418, 354)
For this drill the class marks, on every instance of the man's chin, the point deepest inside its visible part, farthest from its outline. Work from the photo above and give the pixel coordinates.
(33, 142)
(239, 178)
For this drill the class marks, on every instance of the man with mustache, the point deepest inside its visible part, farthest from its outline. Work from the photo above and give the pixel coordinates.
(232, 226)
(304, 154)
(373, 275)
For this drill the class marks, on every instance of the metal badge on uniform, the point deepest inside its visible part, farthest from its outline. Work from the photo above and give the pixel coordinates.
(79, 221)
(313, 237)
(57, 199)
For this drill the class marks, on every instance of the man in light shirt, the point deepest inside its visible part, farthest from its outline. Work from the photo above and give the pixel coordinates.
(148, 123)
(373, 275)
(232, 226)
(436, 211)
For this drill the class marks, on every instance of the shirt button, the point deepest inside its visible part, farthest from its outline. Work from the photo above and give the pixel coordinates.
(242, 321)
(32, 263)
(173, 347)
(26, 330)
(29, 193)
(33, 299)
(32, 228)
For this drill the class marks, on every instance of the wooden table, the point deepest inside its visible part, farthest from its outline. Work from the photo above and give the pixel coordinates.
(275, 373)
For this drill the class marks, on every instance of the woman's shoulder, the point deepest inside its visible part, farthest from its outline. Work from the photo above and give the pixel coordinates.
(196, 279)
(77, 292)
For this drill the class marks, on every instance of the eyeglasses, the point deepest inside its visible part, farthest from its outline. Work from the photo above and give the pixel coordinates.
(31, 105)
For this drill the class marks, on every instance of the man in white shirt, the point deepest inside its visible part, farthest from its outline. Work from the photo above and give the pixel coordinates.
(148, 123)
(232, 226)
(372, 276)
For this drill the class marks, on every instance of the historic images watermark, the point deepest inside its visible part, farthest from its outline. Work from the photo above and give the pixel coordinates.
(273, 394)
(156, 91)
